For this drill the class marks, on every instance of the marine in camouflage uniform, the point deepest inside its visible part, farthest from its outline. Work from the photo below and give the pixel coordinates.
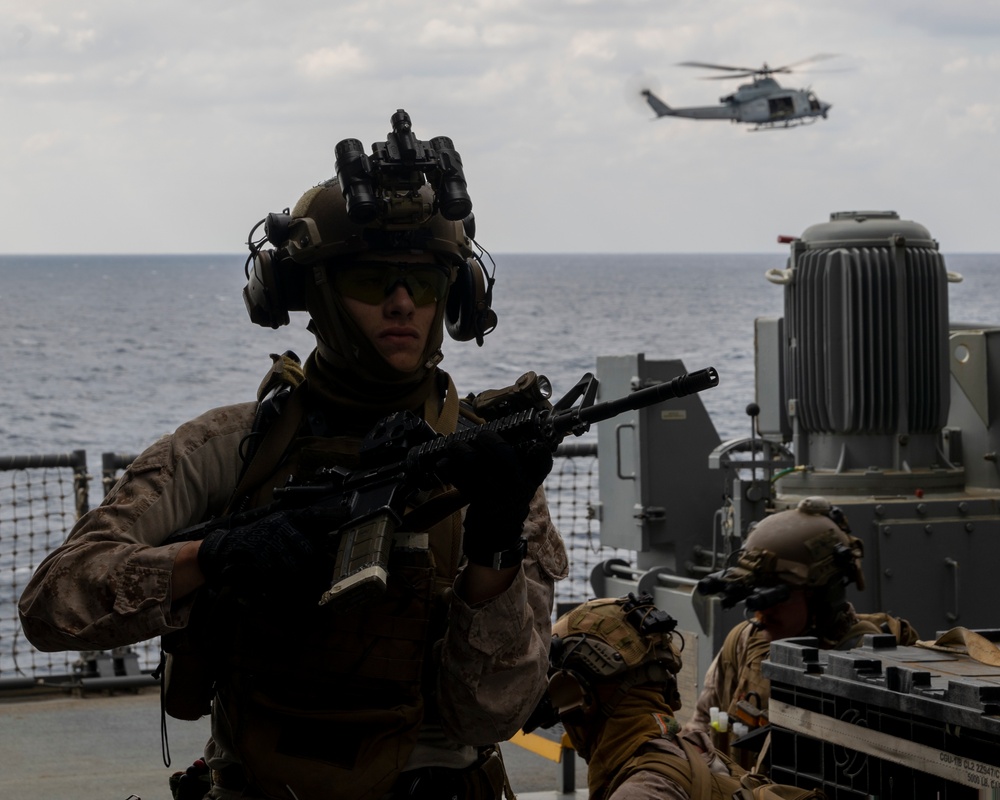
(802, 559)
(612, 685)
(405, 695)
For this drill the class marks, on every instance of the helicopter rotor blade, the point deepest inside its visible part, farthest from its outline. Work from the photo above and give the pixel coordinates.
(750, 72)
(753, 74)
(811, 59)
(703, 65)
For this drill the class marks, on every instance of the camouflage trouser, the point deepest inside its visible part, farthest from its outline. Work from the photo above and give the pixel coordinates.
(484, 780)
(218, 793)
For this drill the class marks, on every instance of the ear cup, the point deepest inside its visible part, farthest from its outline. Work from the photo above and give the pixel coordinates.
(274, 287)
(569, 693)
(468, 314)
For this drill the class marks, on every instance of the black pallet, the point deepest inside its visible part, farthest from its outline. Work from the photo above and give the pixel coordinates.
(884, 721)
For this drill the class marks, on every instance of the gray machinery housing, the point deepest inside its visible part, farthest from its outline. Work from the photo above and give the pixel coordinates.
(864, 394)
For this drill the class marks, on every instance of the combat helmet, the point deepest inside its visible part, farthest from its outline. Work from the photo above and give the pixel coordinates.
(809, 547)
(603, 649)
(408, 198)
(321, 230)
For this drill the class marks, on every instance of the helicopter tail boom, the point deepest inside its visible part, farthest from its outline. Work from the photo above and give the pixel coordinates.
(661, 108)
(699, 112)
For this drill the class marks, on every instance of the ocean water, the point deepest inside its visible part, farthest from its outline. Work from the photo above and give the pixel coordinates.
(107, 353)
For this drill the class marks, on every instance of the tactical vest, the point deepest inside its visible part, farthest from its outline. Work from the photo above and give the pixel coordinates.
(316, 698)
(752, 692)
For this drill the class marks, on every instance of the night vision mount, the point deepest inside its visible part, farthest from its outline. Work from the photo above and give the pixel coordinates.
(645, 617)
(386, 184)
(755, 598)
(407, 195)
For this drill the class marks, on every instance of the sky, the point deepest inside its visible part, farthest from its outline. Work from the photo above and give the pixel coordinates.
(173, 127)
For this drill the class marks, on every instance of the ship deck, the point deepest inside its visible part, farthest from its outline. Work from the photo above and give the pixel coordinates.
(106, 747)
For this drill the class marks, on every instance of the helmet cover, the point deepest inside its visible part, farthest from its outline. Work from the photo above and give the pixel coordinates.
(623, 640)
(809, 546)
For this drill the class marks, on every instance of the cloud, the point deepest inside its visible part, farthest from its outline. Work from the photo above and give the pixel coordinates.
(978, 120)
(78, 41)
(958, 18)
(46, 78)
(19, 35)
(42, 142)
(538, 95)
(594, 45)
(327, 62)
(511, 35)
(443, 33)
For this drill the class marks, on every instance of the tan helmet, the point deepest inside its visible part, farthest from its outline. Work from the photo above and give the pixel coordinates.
(318, 234)
(623, 641)
(606, 652)
(409, 196)
(321, 231)
(808, 546)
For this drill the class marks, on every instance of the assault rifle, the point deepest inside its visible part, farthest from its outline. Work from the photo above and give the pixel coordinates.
(398, 459)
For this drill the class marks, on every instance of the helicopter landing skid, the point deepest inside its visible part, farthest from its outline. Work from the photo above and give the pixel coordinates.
(788, 123)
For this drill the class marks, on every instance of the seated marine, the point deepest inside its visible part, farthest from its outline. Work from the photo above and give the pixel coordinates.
(613, 686)
(792, 574)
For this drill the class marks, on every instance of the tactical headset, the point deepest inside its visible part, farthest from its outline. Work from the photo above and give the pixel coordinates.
(381, 202)
(276, 285)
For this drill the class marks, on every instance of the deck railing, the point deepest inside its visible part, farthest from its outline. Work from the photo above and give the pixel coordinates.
(42, 496)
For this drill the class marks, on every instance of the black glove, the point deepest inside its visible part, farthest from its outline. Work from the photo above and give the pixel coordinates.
(280, 554)
(498, 480)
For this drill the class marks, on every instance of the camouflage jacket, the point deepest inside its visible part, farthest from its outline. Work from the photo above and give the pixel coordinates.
(109, 584)
(735, 672)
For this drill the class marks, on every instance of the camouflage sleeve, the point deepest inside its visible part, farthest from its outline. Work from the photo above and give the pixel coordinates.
(495, 655)
(751, 685)
(647, 784)
(709, 697)
(720, 679)
(109, 583)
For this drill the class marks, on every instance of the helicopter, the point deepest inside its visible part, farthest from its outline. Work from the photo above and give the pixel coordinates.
(764, 103)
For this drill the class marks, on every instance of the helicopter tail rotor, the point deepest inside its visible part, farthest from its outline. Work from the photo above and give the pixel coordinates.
(636, 89)
(655, 103)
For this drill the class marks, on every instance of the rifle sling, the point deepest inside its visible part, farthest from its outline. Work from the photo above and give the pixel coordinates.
(433, 511)
(272, 446)
(701, 776)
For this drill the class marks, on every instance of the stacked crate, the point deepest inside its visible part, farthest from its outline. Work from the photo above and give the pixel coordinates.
(885, 721)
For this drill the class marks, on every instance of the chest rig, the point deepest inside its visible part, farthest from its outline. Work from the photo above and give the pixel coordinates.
(318, 697)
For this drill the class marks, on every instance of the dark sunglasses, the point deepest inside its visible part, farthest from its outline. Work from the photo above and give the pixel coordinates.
(372, 282)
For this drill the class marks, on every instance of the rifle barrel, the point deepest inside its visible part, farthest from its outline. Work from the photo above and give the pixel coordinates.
(680, 386)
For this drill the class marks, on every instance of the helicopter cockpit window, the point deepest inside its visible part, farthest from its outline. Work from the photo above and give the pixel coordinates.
(780, 107)
(813, 102)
